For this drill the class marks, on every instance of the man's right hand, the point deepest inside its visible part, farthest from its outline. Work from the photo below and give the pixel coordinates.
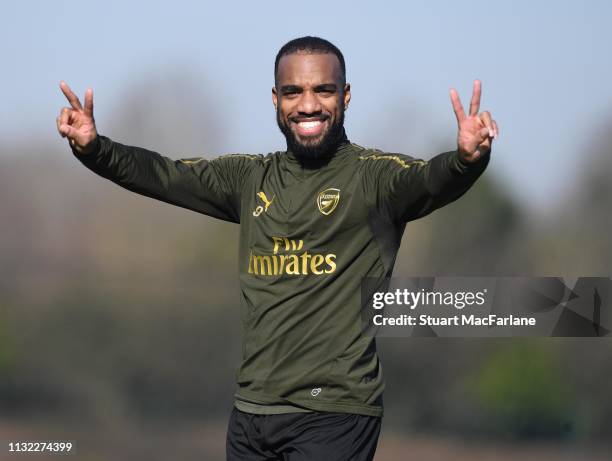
(77, 122)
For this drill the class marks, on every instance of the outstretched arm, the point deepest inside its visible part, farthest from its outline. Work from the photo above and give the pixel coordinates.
(211, 187)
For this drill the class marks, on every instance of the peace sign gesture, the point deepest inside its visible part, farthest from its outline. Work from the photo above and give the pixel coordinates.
(77, 122)
(476, 131)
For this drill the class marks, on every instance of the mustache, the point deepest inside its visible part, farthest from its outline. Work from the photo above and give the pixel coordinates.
(311, 154)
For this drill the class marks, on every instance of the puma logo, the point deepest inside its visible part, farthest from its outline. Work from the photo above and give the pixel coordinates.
(261, 209)
(264, 199)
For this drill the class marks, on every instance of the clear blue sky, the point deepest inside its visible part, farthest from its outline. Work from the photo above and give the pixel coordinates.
(545, 68)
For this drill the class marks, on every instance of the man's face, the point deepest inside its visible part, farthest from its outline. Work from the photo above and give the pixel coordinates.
(310, 100)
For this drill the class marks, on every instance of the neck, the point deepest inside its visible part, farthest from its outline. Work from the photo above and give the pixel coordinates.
(312, 162)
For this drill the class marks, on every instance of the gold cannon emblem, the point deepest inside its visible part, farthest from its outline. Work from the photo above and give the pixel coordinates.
(327, 201)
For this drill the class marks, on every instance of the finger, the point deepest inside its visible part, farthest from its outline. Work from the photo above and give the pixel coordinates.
(68, 131)
(62, 119)
(89, 102)
(475, 103)
(487, 121)
(65, 115)
(495, 129)
(457, 107)
(72, 99)
(484, 134)
(58, 123)
(484, 147)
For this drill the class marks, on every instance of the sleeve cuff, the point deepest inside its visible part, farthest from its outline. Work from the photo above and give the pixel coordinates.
(96, 150)
(460, 166)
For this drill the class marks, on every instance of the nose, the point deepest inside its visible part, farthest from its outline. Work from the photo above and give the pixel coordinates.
(309, 103)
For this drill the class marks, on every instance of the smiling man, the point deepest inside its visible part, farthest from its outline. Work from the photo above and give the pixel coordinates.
(314, 220)
(310, 97)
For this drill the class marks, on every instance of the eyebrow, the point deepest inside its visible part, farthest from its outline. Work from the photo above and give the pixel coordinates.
(290, 89)
(298, 89)
(326, 87)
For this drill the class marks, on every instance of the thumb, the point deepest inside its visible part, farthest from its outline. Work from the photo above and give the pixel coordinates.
(483, 134)
(67, 130)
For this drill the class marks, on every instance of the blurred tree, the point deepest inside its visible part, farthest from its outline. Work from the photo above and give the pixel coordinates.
(479, 234)
(575, 239)
(524, 390)
(120, 299)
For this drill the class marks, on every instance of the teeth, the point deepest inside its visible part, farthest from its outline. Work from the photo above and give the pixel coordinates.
(310, 124)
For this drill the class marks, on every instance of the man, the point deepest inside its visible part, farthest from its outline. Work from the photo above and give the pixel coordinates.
(314, 220)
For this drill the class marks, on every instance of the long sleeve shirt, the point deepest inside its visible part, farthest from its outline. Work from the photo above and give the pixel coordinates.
(308, 235)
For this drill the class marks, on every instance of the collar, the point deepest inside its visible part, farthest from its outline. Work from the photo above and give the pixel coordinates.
(339, 149)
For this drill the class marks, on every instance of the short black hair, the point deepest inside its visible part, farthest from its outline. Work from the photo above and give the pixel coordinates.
(310, 44)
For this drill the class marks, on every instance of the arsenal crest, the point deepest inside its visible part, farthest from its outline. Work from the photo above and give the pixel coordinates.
(328, 200)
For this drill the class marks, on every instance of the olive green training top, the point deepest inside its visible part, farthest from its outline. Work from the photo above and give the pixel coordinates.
(308, 235)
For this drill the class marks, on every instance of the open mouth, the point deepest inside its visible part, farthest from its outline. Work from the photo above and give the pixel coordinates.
(310, 127)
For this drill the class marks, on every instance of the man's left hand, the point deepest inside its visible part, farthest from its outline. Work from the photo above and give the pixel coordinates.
(476, 131)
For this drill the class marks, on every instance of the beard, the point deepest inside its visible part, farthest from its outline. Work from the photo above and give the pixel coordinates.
(313, 150)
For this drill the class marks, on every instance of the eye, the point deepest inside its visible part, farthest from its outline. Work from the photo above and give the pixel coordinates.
(326, 91)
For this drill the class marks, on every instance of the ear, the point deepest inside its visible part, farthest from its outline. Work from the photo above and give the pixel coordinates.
(347, 95)
(274, 97)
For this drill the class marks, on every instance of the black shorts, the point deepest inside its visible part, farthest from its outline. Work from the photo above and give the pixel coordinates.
(301, 437)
